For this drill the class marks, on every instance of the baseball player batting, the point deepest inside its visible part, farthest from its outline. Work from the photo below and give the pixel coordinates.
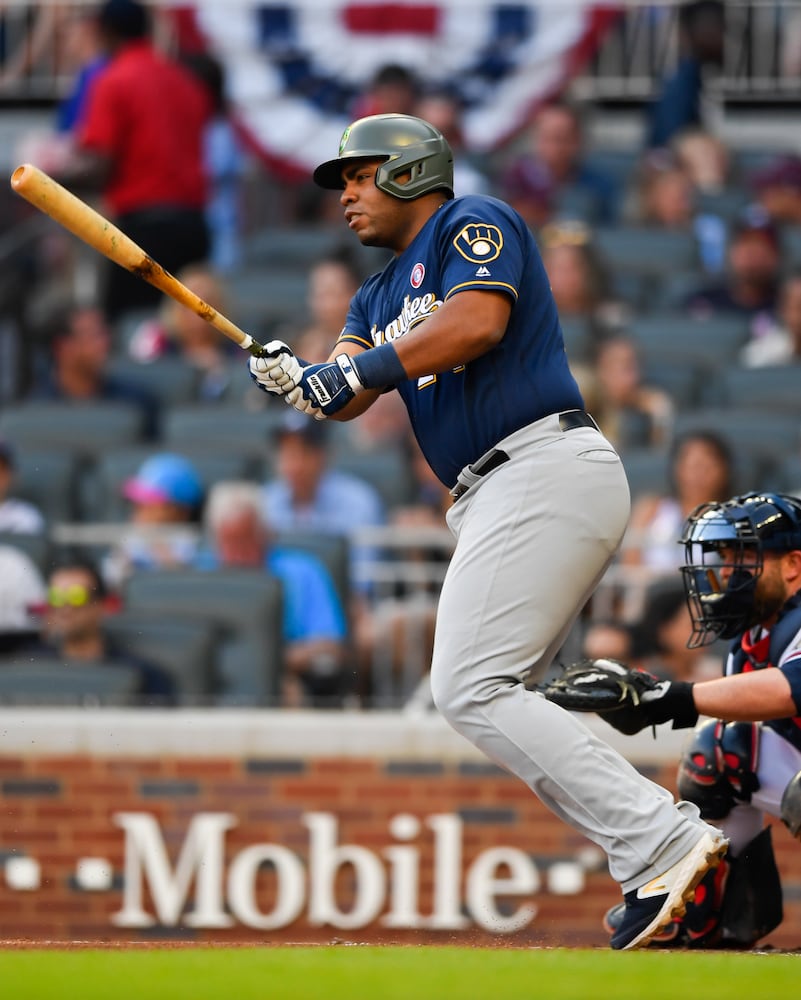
(463, 325)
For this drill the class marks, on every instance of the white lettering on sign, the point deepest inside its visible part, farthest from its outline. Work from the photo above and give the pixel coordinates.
(385, 885)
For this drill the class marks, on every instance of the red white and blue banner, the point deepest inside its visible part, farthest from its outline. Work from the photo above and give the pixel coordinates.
(294, 70)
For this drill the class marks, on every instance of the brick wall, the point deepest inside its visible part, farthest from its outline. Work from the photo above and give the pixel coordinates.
(66, 788)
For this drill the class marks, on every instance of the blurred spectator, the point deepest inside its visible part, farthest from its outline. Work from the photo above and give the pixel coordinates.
(15, 515)
(238, 533)
(384, 427)
(225, 162)
(705, 157)
(749, 285)
(553, 165)
(664, 193)
(661, 634)
(629, 411)
(141, 143)
(393, 89)
(333, 280)
(608, 638)
(577, 275)
(679, 103)
(40, 49)
(576, 272)
(166, 496)
(179, 332)
(701, 469)
(442, 108)
(77, 603)
(781, 343)
(430, 498)
(306, 492)
(777, 189)
(82, 59)
(22, 594)
(78, 341)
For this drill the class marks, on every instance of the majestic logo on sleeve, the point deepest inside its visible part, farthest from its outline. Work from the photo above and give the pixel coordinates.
(479, 242)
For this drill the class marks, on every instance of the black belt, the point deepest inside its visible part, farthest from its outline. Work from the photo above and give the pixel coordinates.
(570, 420)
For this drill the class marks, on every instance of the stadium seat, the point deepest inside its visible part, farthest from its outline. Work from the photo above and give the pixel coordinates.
(184, 649)
(791, 244)
(333, 550)
(36, 545)
(289, 245)
(760, 441)
(767, 388)
(727, 203)
(223, 428)
(52, 682)
(49, 478)
(171, 379)
(682, 380)
(711, 343)
(647, 470)
(645, 249)
(80, 428)
(245, 606)
(788, 479)
(577, 336)
(268, 296)
(387, 471)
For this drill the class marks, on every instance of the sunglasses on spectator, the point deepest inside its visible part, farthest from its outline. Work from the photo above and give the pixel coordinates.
(75, 596)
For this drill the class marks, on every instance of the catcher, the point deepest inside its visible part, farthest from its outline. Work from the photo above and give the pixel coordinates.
(742, 579)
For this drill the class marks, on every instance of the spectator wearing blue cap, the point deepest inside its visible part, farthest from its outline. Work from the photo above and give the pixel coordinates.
(166, 496)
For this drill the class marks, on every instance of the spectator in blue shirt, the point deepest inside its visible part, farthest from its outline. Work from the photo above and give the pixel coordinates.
(307, 492)
(315, 627)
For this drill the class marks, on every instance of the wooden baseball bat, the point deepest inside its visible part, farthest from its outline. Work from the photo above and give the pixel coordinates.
(82, 221)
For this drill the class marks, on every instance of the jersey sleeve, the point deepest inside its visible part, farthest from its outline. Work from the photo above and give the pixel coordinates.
(790, 666)
(357, 327)
(483, 250)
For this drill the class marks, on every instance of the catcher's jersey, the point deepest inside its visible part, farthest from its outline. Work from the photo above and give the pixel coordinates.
(475, 242)
(781, 647)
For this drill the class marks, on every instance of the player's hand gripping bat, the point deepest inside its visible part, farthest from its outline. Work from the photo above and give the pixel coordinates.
(88, 225)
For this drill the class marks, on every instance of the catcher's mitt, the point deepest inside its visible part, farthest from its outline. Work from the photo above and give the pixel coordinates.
(609, 688)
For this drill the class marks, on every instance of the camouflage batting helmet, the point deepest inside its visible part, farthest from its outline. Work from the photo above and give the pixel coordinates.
(408, 145)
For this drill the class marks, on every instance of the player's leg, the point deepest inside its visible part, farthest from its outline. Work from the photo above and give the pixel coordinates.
(534, 539)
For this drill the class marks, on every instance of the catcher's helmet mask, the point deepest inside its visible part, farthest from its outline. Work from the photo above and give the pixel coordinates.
(744, 528)
(416, 156)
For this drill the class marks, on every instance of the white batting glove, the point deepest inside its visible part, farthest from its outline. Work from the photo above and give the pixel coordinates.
(278, 371)
(296, 398)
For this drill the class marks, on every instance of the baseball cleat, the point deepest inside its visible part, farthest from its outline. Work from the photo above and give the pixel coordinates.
(699, 928)
(650, 909)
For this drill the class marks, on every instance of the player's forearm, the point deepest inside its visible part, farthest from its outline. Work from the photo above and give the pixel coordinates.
(461, 330)
(756, 696)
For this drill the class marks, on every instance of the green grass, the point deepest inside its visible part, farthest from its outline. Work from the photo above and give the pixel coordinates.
(392, 973)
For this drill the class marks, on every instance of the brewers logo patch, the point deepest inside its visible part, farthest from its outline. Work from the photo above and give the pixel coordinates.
(479, 242)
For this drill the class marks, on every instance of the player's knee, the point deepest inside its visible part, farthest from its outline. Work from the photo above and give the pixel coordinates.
(718, 767)
(790, 810)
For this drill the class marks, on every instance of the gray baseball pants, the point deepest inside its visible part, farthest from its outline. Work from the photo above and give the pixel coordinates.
(534, 537)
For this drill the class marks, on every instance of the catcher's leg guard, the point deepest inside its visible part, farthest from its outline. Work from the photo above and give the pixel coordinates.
(718, 766)
(791, 806)
(752, 903)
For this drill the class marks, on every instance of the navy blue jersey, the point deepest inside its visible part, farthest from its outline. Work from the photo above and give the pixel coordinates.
(471, 243)
(780, 647)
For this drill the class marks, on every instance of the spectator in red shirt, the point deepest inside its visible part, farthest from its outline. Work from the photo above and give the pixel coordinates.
(141, 143)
